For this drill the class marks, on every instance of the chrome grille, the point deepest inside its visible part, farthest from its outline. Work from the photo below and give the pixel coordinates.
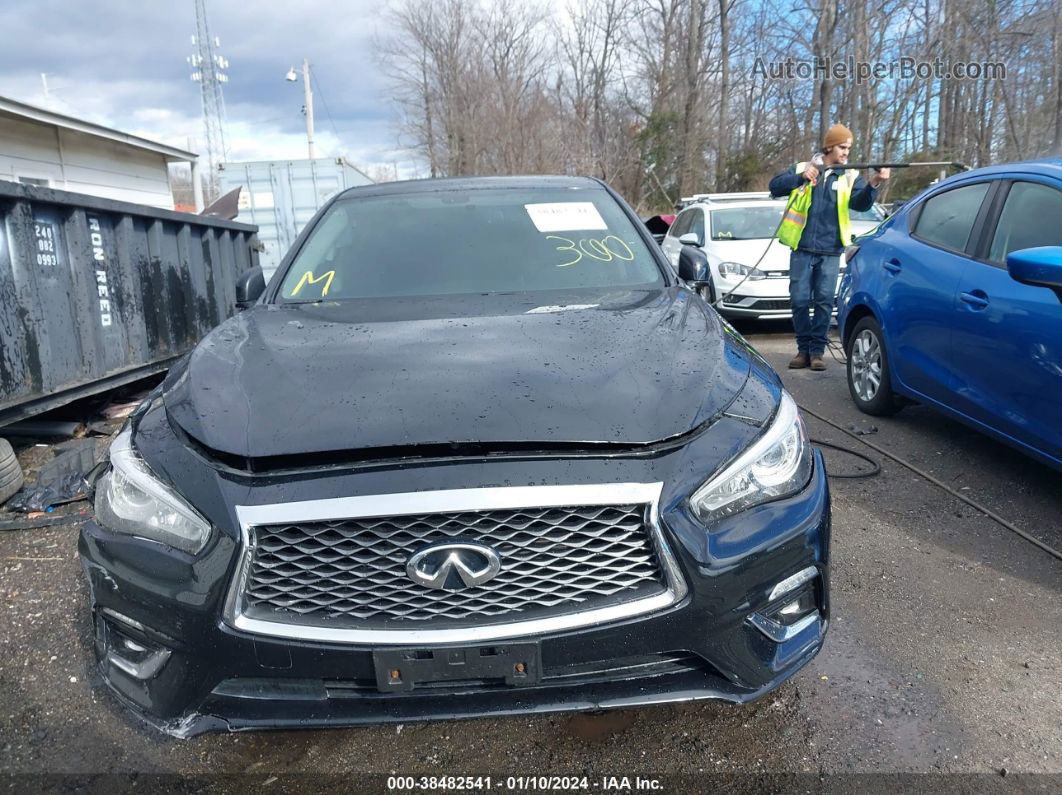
(352, 572)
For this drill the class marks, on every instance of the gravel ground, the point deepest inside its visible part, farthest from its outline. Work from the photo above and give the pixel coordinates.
(944, 657)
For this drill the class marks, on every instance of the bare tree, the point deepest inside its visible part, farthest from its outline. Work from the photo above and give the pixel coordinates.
(1056, 61)
(667, 97)
(589, 45)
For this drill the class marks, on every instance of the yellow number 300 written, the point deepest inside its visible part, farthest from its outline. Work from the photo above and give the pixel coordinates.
(603, 249)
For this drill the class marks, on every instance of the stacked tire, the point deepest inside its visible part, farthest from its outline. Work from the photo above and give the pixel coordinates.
(10, 472)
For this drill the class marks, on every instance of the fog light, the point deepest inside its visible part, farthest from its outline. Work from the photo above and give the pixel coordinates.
(137, 657)
(793, 582)
(794, 607)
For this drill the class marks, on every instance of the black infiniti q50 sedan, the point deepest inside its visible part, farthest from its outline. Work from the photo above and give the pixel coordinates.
(475, 450)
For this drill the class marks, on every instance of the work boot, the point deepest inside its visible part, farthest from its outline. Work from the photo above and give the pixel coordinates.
(799, 362)
(817, 363)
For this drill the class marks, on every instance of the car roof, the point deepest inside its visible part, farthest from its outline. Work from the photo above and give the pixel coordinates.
(436, 184)
(740, 204)
(732, 198)
(1048, 166)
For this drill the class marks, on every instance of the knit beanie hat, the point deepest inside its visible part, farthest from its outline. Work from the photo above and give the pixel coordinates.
(836, 136)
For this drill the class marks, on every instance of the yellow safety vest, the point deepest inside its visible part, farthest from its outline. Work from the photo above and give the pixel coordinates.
(796, 209)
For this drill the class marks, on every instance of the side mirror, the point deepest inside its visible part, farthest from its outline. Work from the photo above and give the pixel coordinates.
(690, 239)
(693, 267)
(249, 286)
(1040, 267)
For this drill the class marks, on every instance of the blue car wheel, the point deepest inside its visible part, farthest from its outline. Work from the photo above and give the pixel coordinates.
(869, 380)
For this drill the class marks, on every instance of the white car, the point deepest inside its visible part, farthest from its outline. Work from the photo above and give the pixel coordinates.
(864, 221)
(733, 230)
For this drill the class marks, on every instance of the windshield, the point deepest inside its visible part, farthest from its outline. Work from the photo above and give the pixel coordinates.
(874, 214)
(747, 223)
(470, 241)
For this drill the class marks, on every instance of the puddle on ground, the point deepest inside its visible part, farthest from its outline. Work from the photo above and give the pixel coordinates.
(593, 727)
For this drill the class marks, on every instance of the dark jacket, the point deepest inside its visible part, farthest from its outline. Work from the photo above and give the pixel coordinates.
(821, 234)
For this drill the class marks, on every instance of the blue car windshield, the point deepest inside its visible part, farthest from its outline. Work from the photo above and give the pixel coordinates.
(747, 223)
(470, 241)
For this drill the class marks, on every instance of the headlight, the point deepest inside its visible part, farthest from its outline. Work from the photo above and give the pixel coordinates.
(735, 270)
(776, 465)
(129, 499)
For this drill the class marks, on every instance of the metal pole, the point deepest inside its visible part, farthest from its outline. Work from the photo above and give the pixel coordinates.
(942, 163)
(197, 186)
(309, 105)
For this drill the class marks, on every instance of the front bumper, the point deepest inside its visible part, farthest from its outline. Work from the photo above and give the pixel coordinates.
(762, 299)
(754, 306)
(197, 673)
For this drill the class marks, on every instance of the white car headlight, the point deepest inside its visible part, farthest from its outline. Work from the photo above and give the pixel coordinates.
(130, 499)
(735, 270)
(777, 465)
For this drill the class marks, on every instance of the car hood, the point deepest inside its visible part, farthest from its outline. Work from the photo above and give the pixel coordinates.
(630, 367)
(748, 252)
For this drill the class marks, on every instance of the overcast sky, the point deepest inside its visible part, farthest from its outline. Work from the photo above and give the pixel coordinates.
(122, 63)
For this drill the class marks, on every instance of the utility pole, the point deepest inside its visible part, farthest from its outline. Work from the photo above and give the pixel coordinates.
(308, 109)
(307, 103)
(208, 70)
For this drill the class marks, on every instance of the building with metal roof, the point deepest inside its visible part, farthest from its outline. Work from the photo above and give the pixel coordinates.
(48, 149)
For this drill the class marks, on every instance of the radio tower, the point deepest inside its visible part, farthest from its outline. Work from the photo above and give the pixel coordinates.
(208, 70)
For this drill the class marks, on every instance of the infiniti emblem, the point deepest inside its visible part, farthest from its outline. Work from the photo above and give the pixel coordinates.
(453, 565)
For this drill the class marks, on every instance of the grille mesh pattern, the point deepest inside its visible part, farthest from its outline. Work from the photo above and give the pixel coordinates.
(764, 304)
(554, 560)
(781, 303)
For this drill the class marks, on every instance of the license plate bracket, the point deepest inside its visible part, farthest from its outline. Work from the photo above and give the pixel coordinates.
(401, 670)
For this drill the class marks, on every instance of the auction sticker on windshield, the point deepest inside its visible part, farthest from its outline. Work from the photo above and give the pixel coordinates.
(565, 216)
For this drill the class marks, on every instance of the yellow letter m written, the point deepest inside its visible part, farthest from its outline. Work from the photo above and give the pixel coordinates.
(308, 278)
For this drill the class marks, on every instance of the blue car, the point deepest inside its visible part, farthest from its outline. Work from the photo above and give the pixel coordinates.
(956, 302)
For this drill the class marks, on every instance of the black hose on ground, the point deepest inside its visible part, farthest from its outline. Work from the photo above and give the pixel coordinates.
(921, 473)
(868, 474)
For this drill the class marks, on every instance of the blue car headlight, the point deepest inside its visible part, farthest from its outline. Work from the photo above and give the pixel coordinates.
(778, 464)
(130, 499)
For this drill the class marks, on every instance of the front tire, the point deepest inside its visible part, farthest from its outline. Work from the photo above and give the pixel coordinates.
(869, 377)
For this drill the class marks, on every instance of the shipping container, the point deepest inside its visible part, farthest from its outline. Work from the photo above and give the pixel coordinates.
(281, 196)
(95, 293)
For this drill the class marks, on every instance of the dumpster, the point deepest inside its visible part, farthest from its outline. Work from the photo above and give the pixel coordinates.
(95, 293)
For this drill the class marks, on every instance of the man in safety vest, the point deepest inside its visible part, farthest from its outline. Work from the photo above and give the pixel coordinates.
(817, 227)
